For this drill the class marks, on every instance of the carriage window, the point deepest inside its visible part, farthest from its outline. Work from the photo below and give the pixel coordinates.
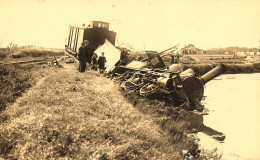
(104, 25)
(95, 24)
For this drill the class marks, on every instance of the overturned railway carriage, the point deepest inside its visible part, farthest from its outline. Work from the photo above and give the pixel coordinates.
(96, 33)
(100, 38)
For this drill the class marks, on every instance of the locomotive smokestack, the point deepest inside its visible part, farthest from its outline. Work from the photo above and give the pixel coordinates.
(213, 73)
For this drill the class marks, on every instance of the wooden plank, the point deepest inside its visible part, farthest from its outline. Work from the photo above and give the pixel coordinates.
(67, 52)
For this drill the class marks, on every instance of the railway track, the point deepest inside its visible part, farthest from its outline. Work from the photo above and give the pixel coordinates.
(34, 61)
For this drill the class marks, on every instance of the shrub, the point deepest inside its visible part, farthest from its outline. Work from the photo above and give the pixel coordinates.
(2, 55)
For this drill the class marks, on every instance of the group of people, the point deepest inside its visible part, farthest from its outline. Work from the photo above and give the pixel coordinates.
(85, 56)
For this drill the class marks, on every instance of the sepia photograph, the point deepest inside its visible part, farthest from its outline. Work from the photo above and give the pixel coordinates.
(130, 79)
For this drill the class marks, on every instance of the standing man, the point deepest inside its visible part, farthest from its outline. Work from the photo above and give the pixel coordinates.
(177, 58)
(172, 58)
(82, 58)
(101, 62)
(87, 51)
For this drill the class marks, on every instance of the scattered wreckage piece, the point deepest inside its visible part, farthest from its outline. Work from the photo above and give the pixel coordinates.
(56, 61)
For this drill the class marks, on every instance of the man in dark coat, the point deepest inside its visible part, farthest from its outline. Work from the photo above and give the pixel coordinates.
(82, 58)
(172, 58)
(177, 57)
(87, 51)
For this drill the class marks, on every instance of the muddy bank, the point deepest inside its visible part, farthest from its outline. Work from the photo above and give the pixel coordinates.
(178, 123)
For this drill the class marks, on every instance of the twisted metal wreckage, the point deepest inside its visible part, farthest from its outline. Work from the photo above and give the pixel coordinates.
(150, 76)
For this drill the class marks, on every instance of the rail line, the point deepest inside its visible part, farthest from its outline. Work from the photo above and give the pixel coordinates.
(34, 61)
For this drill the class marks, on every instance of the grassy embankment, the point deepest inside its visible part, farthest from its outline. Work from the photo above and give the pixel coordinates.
(29, 54)
(85, 116)
(203, 63)
(73, 115)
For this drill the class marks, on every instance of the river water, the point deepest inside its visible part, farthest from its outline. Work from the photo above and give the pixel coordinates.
(233, 104)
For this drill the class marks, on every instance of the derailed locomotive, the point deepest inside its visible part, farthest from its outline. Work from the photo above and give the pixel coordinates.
(154, 78)
(150, 76)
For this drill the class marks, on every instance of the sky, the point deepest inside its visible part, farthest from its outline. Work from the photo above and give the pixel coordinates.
(144, 24)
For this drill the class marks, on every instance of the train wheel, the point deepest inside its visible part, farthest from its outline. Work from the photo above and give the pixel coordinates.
(132, 84)
(149, 89)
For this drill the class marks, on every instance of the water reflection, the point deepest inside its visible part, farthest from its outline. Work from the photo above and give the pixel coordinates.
(219, 136)
(233, 105)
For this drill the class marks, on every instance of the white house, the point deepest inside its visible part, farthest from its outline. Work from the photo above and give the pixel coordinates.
(241, 53)
(250, 53)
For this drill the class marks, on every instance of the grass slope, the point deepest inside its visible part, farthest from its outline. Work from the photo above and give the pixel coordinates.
(16, 79)
(204, 63)
(80, 116)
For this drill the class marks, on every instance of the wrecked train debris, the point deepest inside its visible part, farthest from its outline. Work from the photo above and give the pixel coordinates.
(154, 77)
(149, 76)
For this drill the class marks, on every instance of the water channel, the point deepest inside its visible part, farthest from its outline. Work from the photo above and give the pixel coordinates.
(233, 105)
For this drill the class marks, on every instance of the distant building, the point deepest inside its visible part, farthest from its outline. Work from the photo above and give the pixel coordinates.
(250, 53)
(191, 49)
(241, 54)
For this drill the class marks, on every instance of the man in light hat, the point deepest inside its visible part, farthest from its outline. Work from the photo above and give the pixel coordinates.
(82, 58)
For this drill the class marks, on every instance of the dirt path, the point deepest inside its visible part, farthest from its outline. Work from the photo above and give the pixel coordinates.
(31, 90)
(67, 68)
